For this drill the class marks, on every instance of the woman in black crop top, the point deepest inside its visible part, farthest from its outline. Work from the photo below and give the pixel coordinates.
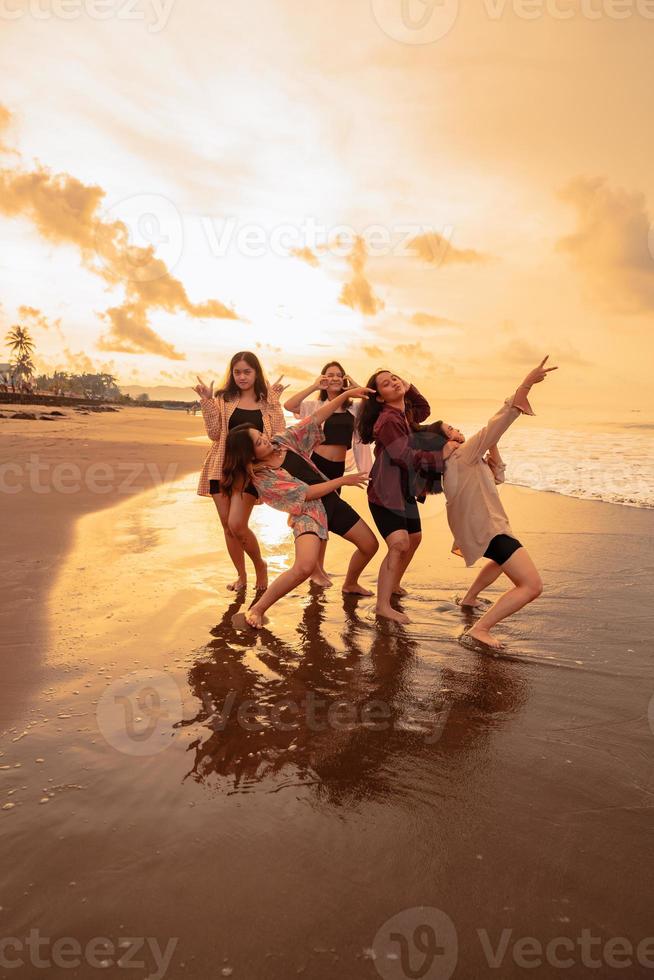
(338, 429)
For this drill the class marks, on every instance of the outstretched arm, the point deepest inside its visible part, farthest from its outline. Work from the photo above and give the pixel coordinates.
(329, 407)
(293, 403)
(474, 448)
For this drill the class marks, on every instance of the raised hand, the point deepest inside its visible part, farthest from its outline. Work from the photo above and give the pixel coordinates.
(538, 374)
(278, 387)
(202, 390)
(321, 383)
(361, 392)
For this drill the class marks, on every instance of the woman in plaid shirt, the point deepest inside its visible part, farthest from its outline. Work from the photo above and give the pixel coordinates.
(245, 396)
(286, 478)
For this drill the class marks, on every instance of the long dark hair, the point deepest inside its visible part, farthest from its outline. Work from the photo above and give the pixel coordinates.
(323, 391)
(230, 390)
(370, 410)
(239, 458)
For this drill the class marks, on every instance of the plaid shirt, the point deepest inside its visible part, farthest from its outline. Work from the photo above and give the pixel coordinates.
(216, 413)
(284, 492)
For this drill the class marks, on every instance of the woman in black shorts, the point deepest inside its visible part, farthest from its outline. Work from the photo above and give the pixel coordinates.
(477, 519)
(342, 449)
(387, 418)
(285, 477)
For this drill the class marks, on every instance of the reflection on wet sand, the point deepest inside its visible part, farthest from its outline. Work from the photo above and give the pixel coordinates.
(344, 719)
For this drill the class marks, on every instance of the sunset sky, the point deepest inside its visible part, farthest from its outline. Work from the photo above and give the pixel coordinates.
(451, 197)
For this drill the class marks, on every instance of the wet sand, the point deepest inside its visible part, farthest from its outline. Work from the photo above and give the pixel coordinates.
(266, 805)
(51, 473)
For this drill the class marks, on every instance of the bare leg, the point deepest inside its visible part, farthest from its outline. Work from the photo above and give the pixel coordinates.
(319, 575)
(307, 547)
(487, 575)
(366, 548)
(234, 546)
(241, 505)
(527, 587)
(414, 543)
(389, 572)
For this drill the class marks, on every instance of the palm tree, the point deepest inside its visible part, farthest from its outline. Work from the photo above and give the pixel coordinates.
(19, 341)
(22, 347)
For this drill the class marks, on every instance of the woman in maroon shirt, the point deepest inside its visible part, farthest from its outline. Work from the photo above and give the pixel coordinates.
(388, 419)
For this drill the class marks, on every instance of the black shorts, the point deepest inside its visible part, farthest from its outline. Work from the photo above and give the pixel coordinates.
(214, 488)
(501, 548)
(388, 521)
(331, 468)
(341, 518)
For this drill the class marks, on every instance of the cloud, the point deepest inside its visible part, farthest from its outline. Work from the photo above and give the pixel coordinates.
(437, 250)
(357, 293)
(373, 351)
(67, 212)
(306, 255)
(613, 246)
(415, 352)
(5, 122)
(519, 350)
(34, 318)
(429, 320)
(292, 371)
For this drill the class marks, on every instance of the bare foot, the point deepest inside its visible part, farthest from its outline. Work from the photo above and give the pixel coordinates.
(355, 590)
(236, 586)
(254, 619)
(474, 603)
(387, 612)
(483, 636)
(322, 581)
(261, 583)
(400, 590)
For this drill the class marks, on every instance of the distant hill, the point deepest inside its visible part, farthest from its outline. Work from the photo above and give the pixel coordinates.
(161, 393)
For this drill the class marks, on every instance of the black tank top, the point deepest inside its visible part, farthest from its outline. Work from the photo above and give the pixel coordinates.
(240, 416)
(338, 429)
(300, 469)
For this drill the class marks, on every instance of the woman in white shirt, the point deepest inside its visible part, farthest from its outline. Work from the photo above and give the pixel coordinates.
(477, 519)
(342, 449)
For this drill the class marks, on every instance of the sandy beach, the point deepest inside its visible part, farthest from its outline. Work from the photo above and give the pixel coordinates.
(291, 802)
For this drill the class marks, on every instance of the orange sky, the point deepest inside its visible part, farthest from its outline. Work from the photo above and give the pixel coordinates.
(448, 196)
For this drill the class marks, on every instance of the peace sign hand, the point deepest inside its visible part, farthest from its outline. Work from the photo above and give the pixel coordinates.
(278, 387)
(538, 374)
(202, 390)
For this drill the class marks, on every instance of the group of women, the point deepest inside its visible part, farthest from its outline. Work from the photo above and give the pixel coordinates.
(300, 469)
